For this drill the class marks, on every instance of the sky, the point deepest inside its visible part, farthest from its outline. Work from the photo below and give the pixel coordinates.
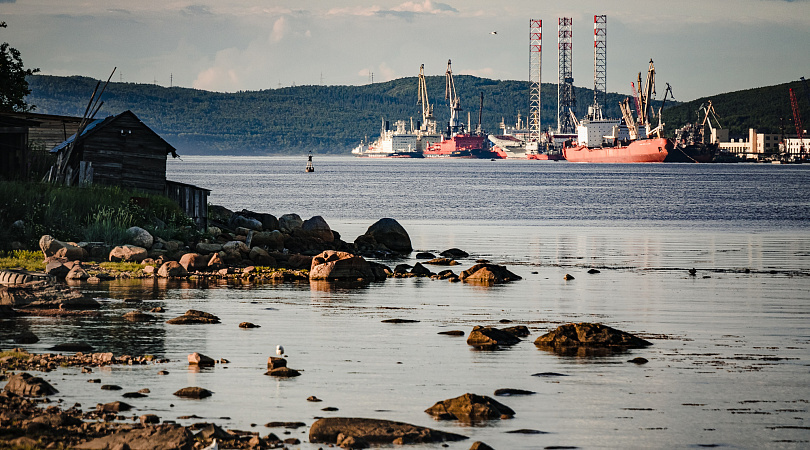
(700, 47)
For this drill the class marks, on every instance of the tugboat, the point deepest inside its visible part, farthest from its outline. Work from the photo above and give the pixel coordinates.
(310, 167)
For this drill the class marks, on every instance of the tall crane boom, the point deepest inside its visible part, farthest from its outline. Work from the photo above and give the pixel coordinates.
(427, 108)
(797, 120)
(452, 99)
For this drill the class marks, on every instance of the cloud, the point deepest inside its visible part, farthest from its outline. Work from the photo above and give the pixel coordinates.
(407, 10)
(279, 29)
(8, 1)
(196, 10)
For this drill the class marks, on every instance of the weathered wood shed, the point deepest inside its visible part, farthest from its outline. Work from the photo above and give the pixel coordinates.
(14, 147)
(117, 151)
(122, 151)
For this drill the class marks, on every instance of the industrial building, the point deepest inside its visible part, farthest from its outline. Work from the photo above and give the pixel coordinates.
(759, 146)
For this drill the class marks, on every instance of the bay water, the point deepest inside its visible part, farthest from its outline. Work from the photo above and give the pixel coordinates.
(730, 360)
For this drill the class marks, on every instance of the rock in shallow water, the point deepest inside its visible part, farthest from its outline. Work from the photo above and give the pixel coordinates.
(470, 408)
(589, 335)
(374, 431)
(193, 392)
(26, 385)
(193, 316)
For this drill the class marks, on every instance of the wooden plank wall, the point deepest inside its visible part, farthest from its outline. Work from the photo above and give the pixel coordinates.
(192, 199)
(126, 153)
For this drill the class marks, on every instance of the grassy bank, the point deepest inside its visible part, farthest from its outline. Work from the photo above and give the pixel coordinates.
(29, 210)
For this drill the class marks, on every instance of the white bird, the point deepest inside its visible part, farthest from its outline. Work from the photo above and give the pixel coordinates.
(279, 350)
(213, 446)
(493, 32)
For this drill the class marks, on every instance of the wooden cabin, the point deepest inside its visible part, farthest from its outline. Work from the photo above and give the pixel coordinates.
(122, 151)
(14, 152)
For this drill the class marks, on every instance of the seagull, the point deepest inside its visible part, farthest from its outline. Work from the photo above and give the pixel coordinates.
(279, 350)
(213, 446)
(493, 32)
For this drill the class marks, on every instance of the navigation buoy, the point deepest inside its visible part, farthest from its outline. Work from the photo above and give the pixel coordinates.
(310, 168)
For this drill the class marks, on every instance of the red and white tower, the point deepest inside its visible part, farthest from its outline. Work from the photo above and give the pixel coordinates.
(599, 60)
(566, 100)
(535, 72)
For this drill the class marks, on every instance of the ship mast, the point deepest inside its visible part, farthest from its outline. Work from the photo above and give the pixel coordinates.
(455, 104)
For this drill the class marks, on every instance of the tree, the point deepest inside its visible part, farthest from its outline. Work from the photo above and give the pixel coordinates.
(13, 85)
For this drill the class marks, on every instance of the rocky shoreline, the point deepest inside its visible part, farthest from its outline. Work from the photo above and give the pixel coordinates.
(29, 419)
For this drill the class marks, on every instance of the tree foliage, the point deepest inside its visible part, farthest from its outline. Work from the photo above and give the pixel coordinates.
(13, 83)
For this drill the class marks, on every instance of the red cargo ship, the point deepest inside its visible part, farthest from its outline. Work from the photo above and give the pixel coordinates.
(640, 151)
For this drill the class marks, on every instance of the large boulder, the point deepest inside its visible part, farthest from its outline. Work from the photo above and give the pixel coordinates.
(260, 257)
(206, 248)
(27, 385)
(149, 437)
(490, 337)
(273, 240)
(192, 316)
(128, 253)
(44, 295)
(172, 269)
(50, 246)
(334, 265)
(238, 220)
(470, 408)
(591, 335)
(269, 221)
(194, 261)
(289, 222)
(193, 392)
(139, 237)
(235, 249)
(77, 273)
(391, 234)
(200, 360)
(318, 227)
(337, 430)
(488, 273)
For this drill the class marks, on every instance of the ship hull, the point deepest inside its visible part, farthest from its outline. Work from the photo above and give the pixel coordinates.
(641, 151)
(462, 146)
(695, 153)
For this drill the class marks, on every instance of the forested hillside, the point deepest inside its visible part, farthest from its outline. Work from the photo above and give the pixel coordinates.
(333, 119)
(759, 108)
(325, 119)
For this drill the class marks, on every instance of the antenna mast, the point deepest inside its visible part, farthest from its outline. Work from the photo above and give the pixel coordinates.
(599, 61)
(566, 100)
(535, 74)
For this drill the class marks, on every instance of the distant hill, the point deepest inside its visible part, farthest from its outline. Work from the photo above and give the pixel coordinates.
(333, 119)
(738, 111)
(324, 119)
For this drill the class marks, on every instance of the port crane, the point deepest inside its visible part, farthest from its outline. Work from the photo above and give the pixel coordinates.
(708, 114)
(428, 121)
(456, 125)
(797, 120)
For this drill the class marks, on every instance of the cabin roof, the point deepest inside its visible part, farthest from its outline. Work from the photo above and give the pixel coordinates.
(99, 124)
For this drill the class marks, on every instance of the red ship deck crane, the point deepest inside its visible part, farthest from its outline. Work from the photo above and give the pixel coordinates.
(797, 120)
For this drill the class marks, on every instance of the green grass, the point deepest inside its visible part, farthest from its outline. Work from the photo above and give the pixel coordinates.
(121, 266)
(95, 213)
(28, 260)
(16, 355)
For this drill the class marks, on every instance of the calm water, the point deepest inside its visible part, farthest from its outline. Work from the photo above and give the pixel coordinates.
(729, 364)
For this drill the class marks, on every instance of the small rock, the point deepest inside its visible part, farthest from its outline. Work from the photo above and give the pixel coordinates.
(283, 372)
(193, 316)
(329, 408)
(248, 325)
(568, 277)
(312, 398)
(399, 321)
(193, 392)
(506, 392)
(149, 419)
(110, 387)
(452, 333)
(200, 360)
(134, 395)
(275, 362)
(639, 360)
(593, 271)
(115, 407)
